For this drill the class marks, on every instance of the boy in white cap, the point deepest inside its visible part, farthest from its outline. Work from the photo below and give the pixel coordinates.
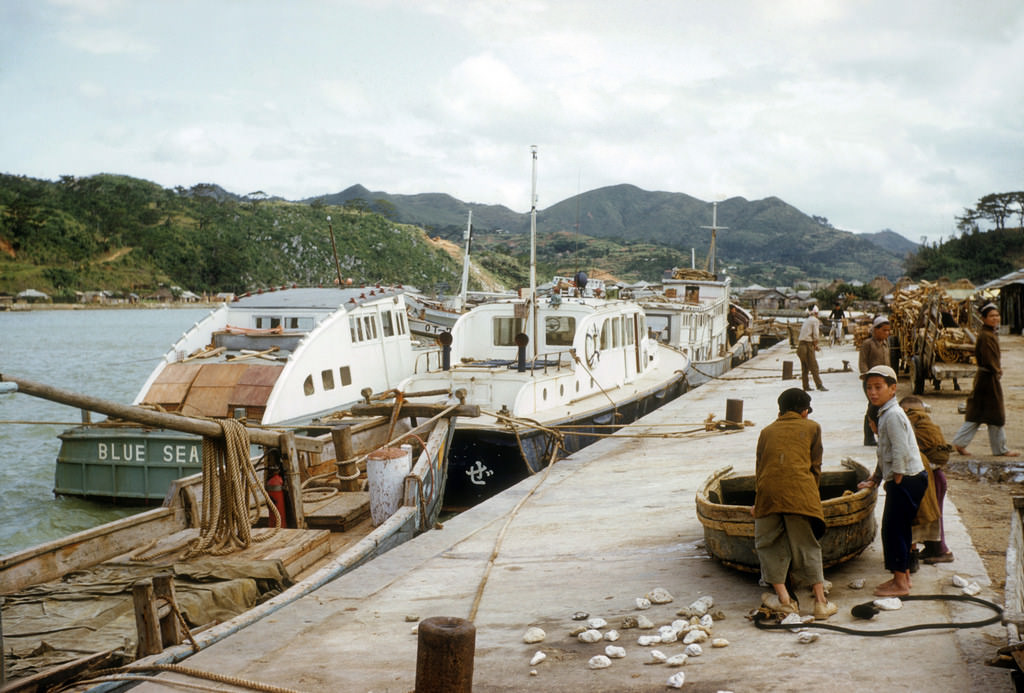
(874, 351)
(906, 480)
(810, 334)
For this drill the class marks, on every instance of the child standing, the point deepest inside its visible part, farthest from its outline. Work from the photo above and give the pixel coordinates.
(900, 468)
(936, 451)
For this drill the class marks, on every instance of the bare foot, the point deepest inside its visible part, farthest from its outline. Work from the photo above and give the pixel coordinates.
(962, 451)
(891, 589)
(1010, 453)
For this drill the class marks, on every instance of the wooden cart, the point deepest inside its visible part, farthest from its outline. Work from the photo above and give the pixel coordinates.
(923, 326)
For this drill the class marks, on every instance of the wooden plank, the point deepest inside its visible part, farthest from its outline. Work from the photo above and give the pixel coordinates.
(297, 549)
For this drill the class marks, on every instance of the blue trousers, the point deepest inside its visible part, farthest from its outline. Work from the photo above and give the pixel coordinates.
(901, 503)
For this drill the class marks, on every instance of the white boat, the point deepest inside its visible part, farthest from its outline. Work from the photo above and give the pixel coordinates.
(691, 313)
(278, 357)
(548, 382)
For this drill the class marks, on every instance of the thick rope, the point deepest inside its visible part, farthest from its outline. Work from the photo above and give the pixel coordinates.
(501, 537)
(132, 672)
(229, 481)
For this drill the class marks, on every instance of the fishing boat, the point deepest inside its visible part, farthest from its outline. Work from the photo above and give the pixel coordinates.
(550, 374)
(694, 312)
(369, 484)
(725, 500)
(279, 357)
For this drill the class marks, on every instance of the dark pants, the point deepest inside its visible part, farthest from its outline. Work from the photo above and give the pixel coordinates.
(939, 547)
(901, 503)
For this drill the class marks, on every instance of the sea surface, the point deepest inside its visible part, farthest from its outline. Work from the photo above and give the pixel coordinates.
(101, 353)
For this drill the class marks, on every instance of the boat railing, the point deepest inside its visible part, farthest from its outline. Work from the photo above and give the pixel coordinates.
(424, 361)
(431, 362)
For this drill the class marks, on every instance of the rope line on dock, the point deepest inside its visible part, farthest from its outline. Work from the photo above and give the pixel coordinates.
(501, 537)
(133, 673)
(710, 425)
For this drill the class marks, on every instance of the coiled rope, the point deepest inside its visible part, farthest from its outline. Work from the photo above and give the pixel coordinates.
(229, 481)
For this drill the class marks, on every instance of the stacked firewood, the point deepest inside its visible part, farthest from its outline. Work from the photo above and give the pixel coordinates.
(912, 313)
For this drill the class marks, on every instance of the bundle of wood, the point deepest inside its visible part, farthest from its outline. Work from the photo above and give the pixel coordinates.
(926, 314)
(955, 345)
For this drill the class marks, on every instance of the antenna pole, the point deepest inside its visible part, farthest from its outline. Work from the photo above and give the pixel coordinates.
(533, 246)
(465, 264)
(714, 228)
(334, 247)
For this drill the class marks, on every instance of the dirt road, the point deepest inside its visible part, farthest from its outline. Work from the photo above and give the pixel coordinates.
(984, 503)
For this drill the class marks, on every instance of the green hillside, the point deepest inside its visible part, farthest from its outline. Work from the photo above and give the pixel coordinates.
(124, 234)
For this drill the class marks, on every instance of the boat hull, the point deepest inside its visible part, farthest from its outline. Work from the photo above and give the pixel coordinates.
(484, 461)
(725, 500)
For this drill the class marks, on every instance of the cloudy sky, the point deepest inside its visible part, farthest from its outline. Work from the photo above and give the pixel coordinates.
(872, 113)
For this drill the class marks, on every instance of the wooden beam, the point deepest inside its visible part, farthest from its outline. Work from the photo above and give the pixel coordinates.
(170, 628)
(147, 622)
(290, 462)
(415, 410)
(147, 417)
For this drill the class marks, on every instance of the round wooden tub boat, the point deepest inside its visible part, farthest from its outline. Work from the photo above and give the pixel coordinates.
(725, 499)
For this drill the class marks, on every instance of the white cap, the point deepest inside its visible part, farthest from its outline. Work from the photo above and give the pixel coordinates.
(880, 320)
(884, 371)
(814, 309)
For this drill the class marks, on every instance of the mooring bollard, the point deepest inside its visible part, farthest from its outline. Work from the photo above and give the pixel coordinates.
(444, 655)
(787, 370)
(734, 413)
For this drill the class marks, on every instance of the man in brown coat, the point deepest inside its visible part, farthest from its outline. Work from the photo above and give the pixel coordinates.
(874, 351)
(788, 517)
(985, 404)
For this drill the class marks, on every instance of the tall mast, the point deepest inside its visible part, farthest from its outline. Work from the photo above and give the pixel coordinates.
(714, 228)
(461, 305)
(533, 247)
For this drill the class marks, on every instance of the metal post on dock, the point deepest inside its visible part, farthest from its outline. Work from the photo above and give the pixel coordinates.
(444, 655)
(787, 370)
(734, 413)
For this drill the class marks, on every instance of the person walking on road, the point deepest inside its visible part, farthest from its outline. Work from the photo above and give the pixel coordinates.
(810, 335)
(874, 351)
(985, 403)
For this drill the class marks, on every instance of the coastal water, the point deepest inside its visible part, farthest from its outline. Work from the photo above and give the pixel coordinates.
(102, 353)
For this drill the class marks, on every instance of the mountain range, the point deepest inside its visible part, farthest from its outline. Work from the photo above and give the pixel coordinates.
(768, 240)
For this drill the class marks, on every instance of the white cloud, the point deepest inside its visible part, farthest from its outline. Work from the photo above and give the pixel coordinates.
(871, 113)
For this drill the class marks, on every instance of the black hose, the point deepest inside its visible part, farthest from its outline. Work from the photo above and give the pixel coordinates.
(868, 607)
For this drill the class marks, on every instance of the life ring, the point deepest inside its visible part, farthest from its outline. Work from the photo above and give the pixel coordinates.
(590, 346)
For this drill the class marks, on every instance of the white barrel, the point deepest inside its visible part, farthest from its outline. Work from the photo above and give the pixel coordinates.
(385, 471)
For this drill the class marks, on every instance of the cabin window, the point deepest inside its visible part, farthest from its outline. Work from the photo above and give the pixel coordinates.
(630, 330)
(346, 375)
(616, 332)
(359, 330)
(352, 327)
(642, 321)
(606, 335)
(327, 378)
(692, 294)
(299, 324)
(307, 385)
(559, 330)
(266, 322)
(505, 331)
(400, 318)
(387, 327)
(371, 327)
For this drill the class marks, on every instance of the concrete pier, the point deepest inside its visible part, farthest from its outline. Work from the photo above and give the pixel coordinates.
(600, 529)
